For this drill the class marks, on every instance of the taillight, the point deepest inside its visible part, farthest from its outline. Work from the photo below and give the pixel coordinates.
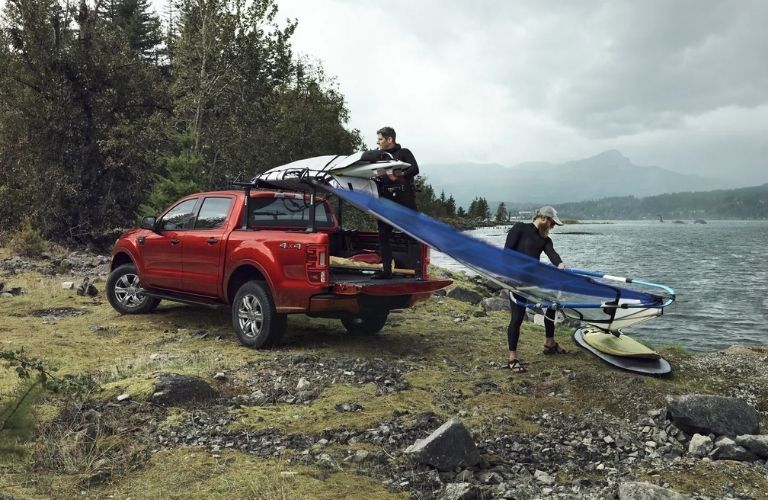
(316, 264)
(425, 261)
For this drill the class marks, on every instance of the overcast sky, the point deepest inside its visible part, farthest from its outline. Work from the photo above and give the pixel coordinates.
(677, 84)
(680, 84)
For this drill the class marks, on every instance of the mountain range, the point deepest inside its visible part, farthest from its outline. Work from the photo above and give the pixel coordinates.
(607, 174)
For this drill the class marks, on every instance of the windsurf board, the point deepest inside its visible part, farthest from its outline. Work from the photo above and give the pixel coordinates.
(621, 345)
(643, 366)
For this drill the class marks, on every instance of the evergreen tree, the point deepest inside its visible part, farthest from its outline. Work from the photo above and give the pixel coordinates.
(181, 175)
(450, 207)
(501, 213)
(472, 210)
(138, 23)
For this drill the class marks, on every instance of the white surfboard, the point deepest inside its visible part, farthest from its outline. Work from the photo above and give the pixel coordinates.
(344, 172)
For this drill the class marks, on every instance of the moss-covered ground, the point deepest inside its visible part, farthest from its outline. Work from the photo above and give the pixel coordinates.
(453, 366)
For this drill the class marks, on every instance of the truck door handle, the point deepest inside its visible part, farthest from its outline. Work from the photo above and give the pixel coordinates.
(175, 241)
(212, 241)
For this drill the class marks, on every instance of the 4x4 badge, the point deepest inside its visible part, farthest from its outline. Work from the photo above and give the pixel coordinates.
(295, 246)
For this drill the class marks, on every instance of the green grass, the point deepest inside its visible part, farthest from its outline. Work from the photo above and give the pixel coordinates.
(452, 369)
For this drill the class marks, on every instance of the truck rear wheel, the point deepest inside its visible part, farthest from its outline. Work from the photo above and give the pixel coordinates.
(125, 293)
(365, 324)
(256, 322)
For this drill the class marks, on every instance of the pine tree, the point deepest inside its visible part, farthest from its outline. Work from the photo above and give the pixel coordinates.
(501, 213)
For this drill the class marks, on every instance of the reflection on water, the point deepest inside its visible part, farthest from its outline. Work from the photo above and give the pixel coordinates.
(717, 269)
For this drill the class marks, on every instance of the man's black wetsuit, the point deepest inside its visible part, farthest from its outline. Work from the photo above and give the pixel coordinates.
(525, 238)
(401, 190)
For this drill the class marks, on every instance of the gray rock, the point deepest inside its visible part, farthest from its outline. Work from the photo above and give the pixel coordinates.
(459, 491)
(465, 476)
(490, 477)
(647, 491)
(727, 449)
(718, 415)
(360, 456)
(543, 477)
(490, 285)
(450, 446)
(465, 295)
(87, 288)
(495, 304)
(173, 389)
(700, 446)
(757, 444)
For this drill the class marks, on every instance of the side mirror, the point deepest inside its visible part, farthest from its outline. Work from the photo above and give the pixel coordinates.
(148, 223)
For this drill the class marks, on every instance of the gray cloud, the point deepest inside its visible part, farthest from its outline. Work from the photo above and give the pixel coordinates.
(680, 84)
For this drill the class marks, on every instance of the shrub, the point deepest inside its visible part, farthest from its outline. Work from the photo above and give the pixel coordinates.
(28, 241)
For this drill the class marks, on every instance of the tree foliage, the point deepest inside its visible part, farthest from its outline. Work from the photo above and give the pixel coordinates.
(502, 215)
(79, 118)
(102, 113)
(106, 115)
(478, 209)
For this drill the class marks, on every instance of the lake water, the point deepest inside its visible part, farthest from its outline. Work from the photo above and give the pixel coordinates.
(718, 271)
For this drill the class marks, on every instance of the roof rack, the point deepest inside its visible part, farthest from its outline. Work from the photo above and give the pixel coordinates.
(301, 183)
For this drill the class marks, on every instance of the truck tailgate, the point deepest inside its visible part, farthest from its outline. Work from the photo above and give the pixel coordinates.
(394, 286)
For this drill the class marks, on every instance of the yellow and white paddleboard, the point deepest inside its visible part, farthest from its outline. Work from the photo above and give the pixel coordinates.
(617, 346)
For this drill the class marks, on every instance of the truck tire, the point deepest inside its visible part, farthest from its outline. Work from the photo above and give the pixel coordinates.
(365, 324)
(125, 294)
(254, 318)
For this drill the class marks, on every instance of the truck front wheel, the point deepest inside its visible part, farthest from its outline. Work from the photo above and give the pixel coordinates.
(365, 324)
(256, 322)
(125, 293)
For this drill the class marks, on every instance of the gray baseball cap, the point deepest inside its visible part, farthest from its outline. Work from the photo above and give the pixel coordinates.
(550, 212)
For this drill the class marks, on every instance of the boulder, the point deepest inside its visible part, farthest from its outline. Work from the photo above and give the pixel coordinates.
(450, 446)
(459, 491)
(700, 446)
(727, 449)
(706, 414)
(172, 389)
(465, 295)
(756, 444)
(495, 304)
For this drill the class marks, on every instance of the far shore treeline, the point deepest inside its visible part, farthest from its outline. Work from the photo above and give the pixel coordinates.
(749, 203)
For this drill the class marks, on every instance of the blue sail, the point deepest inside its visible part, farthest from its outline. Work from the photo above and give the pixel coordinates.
(585, 295)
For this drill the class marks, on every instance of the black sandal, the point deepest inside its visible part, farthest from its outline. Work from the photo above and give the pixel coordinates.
(554, 349)
(516, 366)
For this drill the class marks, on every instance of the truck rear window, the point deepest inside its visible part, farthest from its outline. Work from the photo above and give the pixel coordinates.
(287, 212)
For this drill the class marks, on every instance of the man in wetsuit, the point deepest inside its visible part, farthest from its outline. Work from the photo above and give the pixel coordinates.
(532, 238)
(398, 186)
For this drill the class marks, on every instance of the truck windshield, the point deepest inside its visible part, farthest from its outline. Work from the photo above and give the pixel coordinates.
(287, 212)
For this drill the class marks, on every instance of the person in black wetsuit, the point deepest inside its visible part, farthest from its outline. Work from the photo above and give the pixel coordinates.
(532, 238)
(398, 186)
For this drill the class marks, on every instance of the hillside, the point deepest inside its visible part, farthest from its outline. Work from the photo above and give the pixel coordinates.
(744, 203)
(609, 174)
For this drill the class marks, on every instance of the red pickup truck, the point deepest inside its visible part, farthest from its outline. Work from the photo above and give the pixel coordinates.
(266, 254)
